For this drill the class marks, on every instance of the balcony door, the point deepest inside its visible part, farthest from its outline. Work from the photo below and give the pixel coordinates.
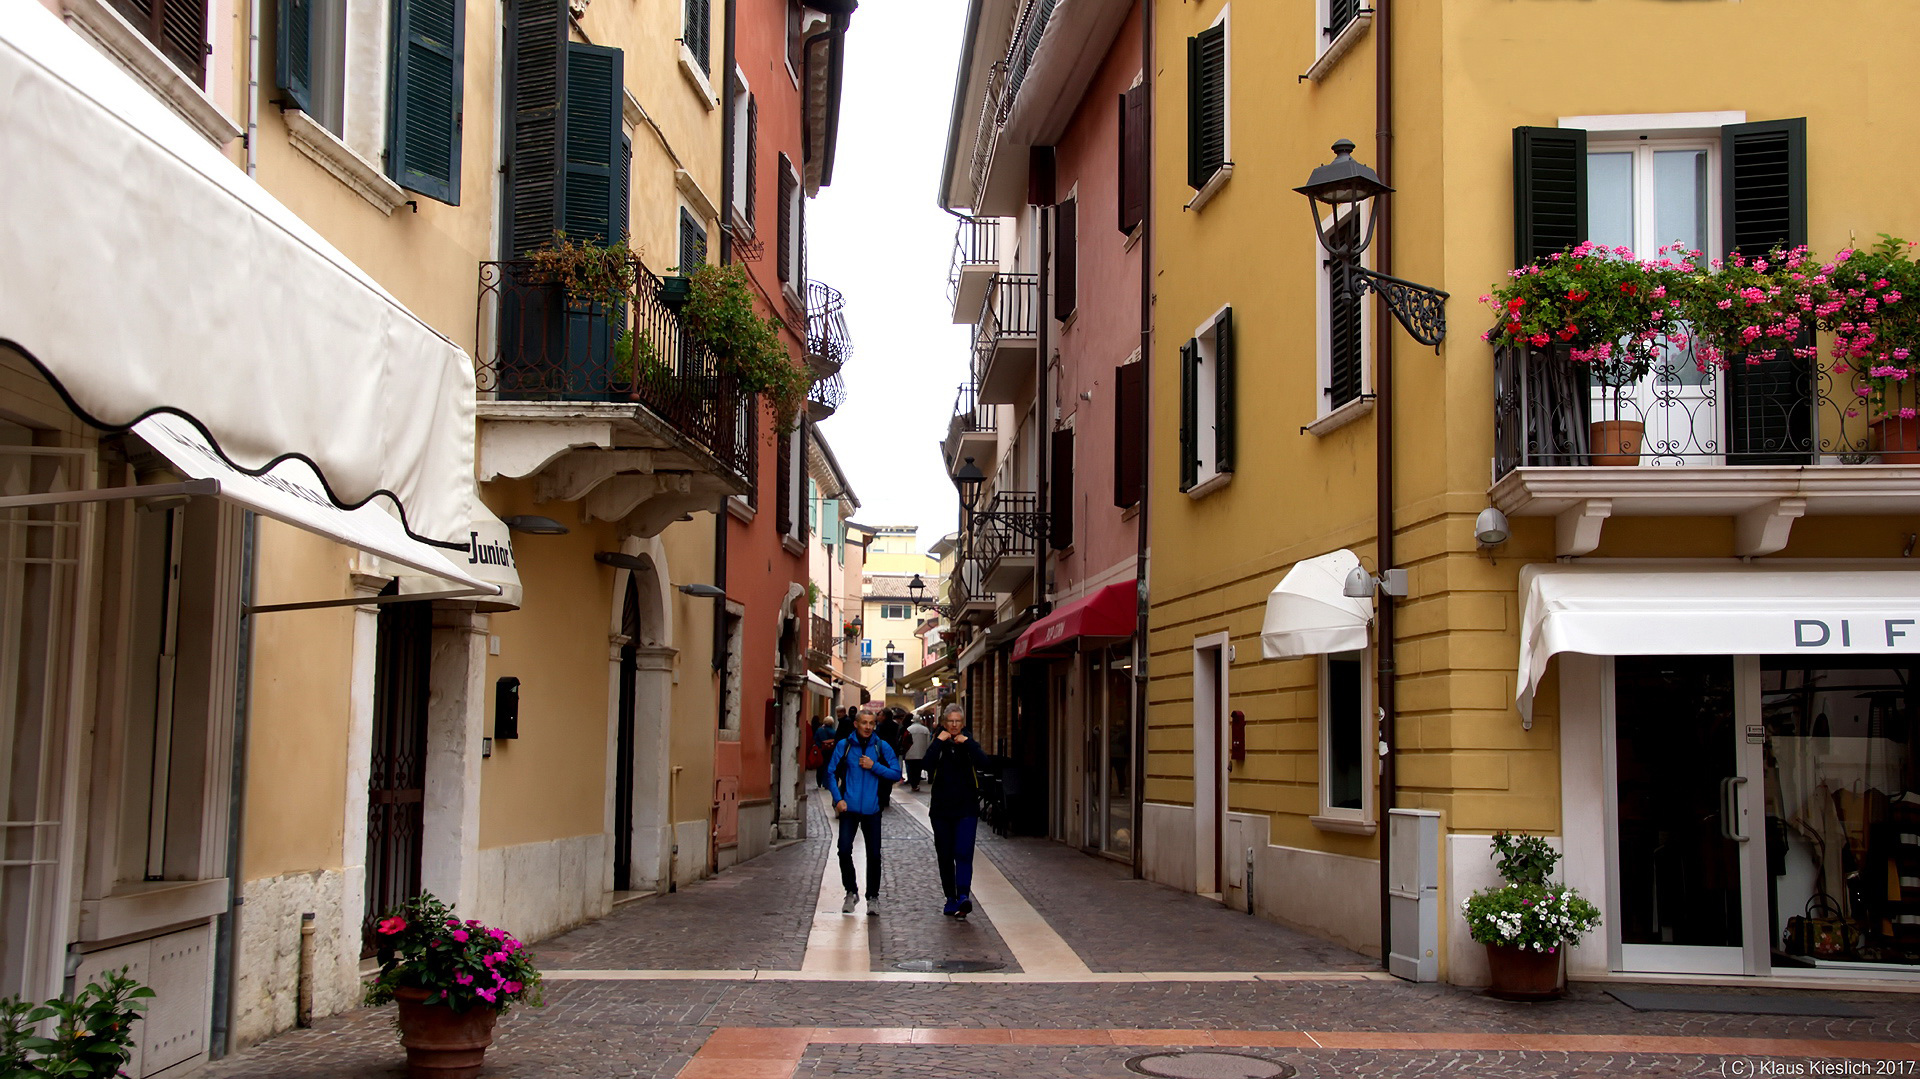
(1644, 195)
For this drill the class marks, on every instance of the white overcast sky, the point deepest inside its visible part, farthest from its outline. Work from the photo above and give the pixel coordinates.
(879, 236)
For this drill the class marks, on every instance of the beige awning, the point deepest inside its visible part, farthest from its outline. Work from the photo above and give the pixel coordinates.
(1307, 614)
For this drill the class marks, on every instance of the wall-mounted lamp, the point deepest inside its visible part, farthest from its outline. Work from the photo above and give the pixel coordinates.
(703, 591)
(1362, 585)
(536, 526)
(1490, 528)
(1344, 186)
(622, 561)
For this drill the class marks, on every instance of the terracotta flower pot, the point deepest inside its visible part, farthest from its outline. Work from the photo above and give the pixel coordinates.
(1616, 442)
(1898, 439)
(1523, 974)
(442, 1043)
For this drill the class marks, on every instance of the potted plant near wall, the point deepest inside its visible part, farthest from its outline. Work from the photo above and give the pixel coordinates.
(720, 316)
(451, 980)
(90, 1037)
(1876, 334)
(1604, 311)
(1529, 922)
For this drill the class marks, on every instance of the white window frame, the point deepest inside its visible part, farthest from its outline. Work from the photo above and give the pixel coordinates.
(355, 153)
(1207, 477)
(795, 285)
(742, 95)
(1343, 819)
(797, 486)
(732, 698)
(1220, 177)
(1328, 51)
(1328, 417)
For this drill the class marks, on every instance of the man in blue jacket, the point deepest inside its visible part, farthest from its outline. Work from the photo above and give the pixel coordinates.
(859, 763)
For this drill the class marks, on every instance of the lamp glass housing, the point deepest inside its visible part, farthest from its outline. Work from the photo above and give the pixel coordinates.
(1490, 528)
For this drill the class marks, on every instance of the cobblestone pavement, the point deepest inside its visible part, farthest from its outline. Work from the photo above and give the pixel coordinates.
(768, 1022)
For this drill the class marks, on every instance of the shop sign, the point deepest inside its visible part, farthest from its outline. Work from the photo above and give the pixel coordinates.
(1864, 634)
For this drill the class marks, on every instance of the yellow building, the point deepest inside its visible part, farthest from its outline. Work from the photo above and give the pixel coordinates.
(1700, 793)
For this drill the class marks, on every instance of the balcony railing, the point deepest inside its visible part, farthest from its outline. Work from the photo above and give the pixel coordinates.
(825, 397)
(829, 345)
(1787, 413)
(969, 414)
(1003, 83)
(820, 643)
(976, 242)
(1011, 526)
(545, 347)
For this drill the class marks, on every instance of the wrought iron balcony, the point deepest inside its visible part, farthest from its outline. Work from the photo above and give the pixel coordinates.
(1003, 84)
(1006, 337)
(820, 643)
(1797, 412)
(971, 431)
(967, 591)
(829, 345)
(1007, 537)
(976, 258)
(547, 347)
(825, 397)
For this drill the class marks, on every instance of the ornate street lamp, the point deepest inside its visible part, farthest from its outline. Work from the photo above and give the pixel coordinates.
(1347, 187)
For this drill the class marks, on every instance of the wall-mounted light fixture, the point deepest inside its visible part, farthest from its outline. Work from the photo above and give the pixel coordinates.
(535, 525)
(703, 591)
(1490, 528)
(1361, 585)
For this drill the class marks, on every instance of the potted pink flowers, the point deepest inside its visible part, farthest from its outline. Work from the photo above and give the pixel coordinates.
(451, 980)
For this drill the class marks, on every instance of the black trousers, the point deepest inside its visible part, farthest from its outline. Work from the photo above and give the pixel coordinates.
(916, 768)
(869, 824)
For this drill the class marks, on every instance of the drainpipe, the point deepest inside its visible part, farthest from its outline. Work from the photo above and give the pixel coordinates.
(226, 933)
(1383, 452)
(1146, 439)
(1042, 421)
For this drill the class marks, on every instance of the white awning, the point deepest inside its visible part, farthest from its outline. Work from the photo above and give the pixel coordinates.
(289, 492)
(146, 272)
(1722, 610)
(1308, 616)
(819, 686)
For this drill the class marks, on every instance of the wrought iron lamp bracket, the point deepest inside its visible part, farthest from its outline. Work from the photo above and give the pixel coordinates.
(1420, 309)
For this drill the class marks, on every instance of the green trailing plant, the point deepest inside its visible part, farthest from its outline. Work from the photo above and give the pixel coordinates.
(720, 315)
(91, 1033)
(1529, 911)
(460, 964)
(635, 360)
(603, 274)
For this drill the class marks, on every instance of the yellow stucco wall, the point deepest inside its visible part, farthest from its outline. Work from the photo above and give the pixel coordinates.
(1466, 74)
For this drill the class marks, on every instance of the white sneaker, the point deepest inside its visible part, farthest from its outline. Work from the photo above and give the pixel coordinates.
(873, 906)
(852, 901)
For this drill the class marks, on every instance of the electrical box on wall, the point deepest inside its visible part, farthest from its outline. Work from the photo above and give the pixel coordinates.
(506, 708)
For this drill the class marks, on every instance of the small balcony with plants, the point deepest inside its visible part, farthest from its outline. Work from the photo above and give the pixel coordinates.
(976, 258)
(970, 433)
(829, 344)
(1765, 388)
(1006, 338)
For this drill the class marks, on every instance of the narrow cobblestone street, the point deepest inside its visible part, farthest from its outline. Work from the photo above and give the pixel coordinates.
(714, 982)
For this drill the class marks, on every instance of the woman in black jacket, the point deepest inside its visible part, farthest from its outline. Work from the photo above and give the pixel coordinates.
(954, 807)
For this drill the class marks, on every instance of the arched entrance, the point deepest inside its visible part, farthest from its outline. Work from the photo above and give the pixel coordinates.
(624, 741)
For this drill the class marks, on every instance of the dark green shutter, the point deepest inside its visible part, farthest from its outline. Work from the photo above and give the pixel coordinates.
(699, 33)
(1060, 490)
(753, 155)
(783, 244)
(593, 131)
(622, 187)
(1339, 14)
(1206, 104)
(1346, 321)
(293, 58)
(537, 96)
(1189, 414)
(1223, 404)
(693, 243)
(1549, 191)
(423, 130)
(1129, 448)
(1769, 408)
(1066, 259)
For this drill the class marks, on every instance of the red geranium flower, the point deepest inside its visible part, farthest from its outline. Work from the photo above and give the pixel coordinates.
(1576, 295)
(1516, 304)
(390, 926)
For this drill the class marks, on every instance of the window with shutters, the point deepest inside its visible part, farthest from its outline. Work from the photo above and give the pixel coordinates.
(423, 143)
(1134, 158)
(1337, 26)
(1344, 387)
(793, 236)
(1129, 426)
(1061, 496)
(1209, 119)
(311, 60)
(796, 39)
(1207, 406)
(1066, 258)
(746, 122)
(693, 242)
(178, 28)
(697, 35)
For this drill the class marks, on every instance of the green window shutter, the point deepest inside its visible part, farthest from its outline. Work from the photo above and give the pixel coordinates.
(783, 244)
(593, 132)
(622, 186)
(293, 55)
(1339, 14)
(753, 155)
(813, 506)
(1346, 320)
(1206, 104)
(699, 33)
(1189, 418)
(536, 80)
(1223, 403)
(830, 521)
(693, 243)
(1549, 191)
(424, 114)
(1769, 404)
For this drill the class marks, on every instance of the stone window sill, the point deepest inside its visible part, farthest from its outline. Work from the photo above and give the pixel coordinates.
(1209, 485)
(690, 67)
(107, 28)
(1349, 825)
(325, 149)
(1340, 417)
(1213, 185)
(1338, 47)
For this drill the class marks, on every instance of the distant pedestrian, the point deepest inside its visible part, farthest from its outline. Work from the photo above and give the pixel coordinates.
(860, 763)
(954, 808)
(824, 737)
(845, 726)
(889, 730)
(919, 737)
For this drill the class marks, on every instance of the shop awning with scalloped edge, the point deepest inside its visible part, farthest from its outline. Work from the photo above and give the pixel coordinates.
(1104, 617)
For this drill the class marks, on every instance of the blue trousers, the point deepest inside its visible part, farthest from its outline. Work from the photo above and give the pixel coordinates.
(868, 823)
(953, 850)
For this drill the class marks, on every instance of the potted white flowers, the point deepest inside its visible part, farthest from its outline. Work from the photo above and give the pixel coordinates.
(1527, 923)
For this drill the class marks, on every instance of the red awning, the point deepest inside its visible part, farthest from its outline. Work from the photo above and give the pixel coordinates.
(1108, 614)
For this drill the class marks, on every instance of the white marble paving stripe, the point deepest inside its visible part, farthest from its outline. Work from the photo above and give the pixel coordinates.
(836, 943)
(1089, 978)
(1035, 946)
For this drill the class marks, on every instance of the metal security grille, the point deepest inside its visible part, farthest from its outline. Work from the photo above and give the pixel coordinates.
(397, 778)
(40, 552)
